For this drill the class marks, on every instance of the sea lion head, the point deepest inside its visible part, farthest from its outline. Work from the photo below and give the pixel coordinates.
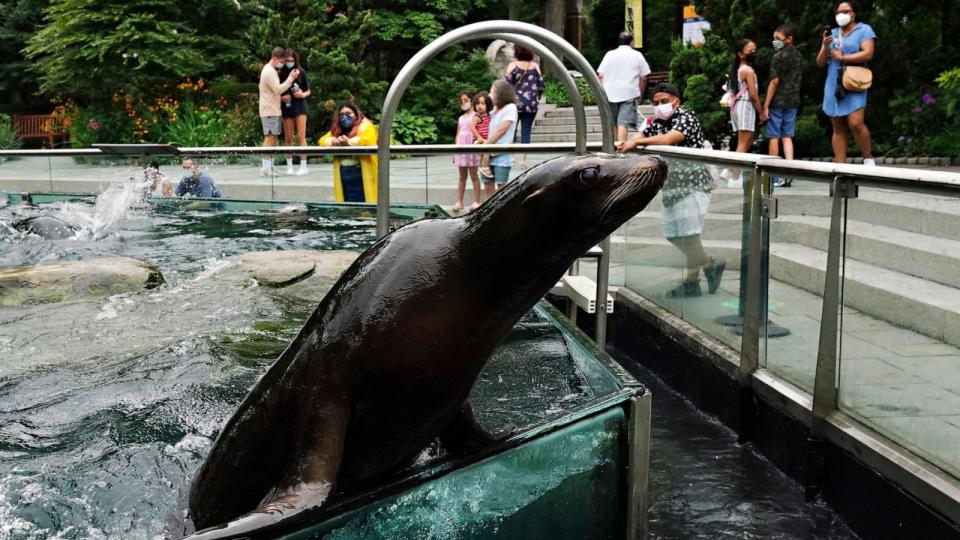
(581, 198)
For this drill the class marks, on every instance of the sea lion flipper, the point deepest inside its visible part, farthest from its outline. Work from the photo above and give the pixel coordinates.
(309, 480)
(465, 435)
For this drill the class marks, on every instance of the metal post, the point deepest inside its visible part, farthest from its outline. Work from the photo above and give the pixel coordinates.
(638, 465)
(750, 343)
(825, 379)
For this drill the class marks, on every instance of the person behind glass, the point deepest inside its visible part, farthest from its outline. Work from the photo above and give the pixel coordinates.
(745, 106)
(294, 111)
(524, 74)
(354, 177)
(624, 73)
(195, 183)
(852, 44)
(270, 106)
(783, 95)
(482, 106)
(503, 127)
(686, 193)
(466, 163)
(158, 185)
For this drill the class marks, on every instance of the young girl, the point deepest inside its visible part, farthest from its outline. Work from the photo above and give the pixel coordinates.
(467, 163)
(482, 105)
(746, 105)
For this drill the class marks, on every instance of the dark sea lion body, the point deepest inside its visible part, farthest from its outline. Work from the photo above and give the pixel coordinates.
(47, 227)
(386, 362)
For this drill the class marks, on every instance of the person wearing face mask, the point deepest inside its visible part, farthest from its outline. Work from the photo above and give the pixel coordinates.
(852, 44)
(270, 90)
(686, 193)
(295, 111)
(746, 103)
(783, 95)
(354, 177)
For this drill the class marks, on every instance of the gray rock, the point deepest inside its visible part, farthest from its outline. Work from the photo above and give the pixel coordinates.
(287, 267)
(901, 161)
(72, 279)
(911, 161)
(923, 161)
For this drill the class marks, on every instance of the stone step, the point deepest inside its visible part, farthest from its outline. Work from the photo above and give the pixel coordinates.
(921, 256)
(564, 129)
(591, 110)
(920, 305)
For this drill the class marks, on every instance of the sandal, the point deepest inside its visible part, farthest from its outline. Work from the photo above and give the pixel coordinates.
(458, 206)
(474, 206)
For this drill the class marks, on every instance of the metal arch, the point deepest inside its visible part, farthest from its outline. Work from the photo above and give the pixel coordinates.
(576, 100)
(473, 31)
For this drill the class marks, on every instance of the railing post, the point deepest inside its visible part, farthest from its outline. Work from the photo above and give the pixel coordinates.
(825, 379)
(754, 314)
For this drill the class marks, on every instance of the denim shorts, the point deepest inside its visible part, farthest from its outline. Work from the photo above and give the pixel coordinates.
(500, 175)
(625, 113)
(782, 122)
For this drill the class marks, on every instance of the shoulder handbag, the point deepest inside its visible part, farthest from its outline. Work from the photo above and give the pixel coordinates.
(855, 78)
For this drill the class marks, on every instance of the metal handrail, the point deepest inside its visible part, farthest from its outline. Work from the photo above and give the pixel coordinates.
(883, 177)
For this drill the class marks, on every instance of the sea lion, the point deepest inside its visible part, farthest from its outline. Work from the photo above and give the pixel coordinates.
(47, 227)
(386, 362)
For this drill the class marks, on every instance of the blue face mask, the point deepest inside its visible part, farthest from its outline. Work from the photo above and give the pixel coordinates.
(346, 122)
(290, 65)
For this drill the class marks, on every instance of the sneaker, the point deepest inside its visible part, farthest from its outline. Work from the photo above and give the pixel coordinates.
(869, 162)
(687, 289)
(266, 172)
(735, 184)
(302, 171)
(289, 170)
(713, 271)
(779, 182)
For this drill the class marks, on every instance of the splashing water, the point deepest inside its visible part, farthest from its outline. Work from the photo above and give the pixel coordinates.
(111, 208)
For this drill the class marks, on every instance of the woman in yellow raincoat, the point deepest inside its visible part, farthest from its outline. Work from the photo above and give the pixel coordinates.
(354, 177)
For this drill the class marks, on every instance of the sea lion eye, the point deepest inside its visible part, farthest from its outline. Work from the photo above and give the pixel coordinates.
(588, 176)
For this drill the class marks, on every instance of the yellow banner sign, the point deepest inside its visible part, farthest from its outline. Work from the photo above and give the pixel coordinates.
(634, 21)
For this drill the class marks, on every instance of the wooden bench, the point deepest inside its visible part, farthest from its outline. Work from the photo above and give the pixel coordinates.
(38, 126)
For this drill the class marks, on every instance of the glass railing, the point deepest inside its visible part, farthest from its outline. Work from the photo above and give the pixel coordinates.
(899, 367)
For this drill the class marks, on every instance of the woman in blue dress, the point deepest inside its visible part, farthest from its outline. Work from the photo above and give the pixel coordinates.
(852, 44)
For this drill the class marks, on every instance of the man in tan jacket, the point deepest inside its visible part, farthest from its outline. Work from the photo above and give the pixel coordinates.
(270, 90)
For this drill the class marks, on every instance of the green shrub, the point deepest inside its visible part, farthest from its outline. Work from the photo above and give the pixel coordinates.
(556, 92)
(9, 140)
(196, 126)
(811, 137)
(411, 128)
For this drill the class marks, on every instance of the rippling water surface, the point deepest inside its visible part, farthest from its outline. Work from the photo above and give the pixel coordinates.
(107, 404)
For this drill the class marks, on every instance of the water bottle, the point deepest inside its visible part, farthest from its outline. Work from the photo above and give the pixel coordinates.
(293, 90)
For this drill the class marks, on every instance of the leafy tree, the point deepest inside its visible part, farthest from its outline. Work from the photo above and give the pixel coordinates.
(18, 21)
(90, 49)
(331, 41)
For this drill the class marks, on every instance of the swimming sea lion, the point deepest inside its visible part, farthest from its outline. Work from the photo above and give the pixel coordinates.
(385, 363)
(47, 227)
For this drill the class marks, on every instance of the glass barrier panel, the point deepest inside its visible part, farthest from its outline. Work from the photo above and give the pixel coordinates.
(900, 341)
(796, 261)
(674, 249)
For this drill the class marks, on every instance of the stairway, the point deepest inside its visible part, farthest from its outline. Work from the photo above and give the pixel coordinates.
(557, 124)
(903, 261)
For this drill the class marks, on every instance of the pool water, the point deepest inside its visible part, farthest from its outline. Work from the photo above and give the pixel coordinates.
(109, 404)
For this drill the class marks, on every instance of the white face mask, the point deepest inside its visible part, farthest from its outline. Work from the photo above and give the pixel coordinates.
(843, 19)
(778, 44)
(663, 111)
(465, 106)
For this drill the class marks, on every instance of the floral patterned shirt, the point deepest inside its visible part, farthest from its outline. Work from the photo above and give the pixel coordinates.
(528, 83)
(685, 177)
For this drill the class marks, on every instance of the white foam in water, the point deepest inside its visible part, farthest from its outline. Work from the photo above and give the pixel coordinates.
(109, 211)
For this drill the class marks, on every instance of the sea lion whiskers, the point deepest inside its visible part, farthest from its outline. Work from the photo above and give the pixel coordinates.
(636, 180)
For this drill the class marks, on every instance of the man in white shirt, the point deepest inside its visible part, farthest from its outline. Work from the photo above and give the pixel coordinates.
(270, 90)
(624, 74)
